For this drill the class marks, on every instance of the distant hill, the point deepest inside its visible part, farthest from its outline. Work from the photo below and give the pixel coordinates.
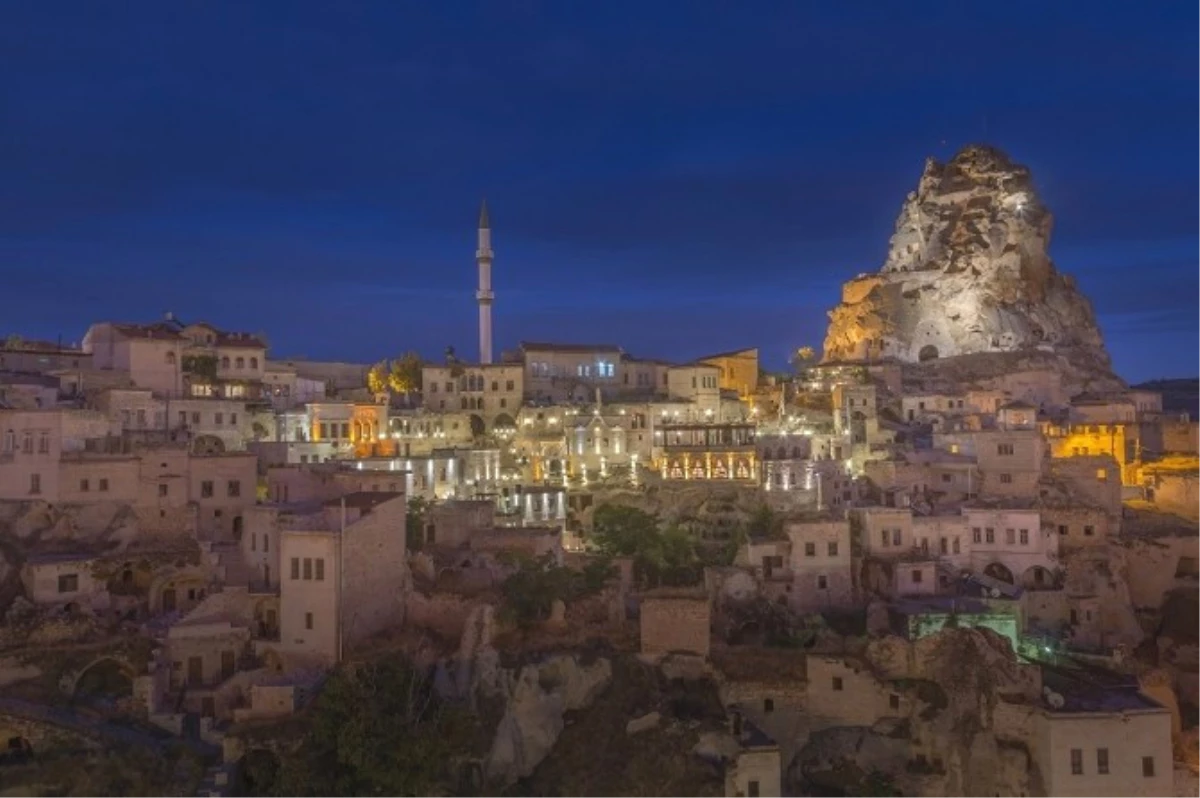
(1179, 395)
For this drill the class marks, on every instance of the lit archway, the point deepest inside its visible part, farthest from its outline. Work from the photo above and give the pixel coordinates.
(999, 571)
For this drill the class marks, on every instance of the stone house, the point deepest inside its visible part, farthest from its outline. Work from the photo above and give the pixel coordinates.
(756, 769)
(152, 355)
(57, 579)
(1010, 544)
(820, 565)
(1009, 461)
(571, 372)
(699, 385)
(28, 391)
(1079, 525)
(492, 393)
(843, 691)
(737, 371)
(344, 574)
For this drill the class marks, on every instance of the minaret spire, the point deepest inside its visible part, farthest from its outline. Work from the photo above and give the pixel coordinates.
(483, 259)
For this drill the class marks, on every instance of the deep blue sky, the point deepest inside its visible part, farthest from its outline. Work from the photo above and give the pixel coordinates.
(673, 177)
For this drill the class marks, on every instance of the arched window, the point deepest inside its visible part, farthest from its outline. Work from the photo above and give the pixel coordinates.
(224, 362)
(170, 358)
(254, 363)
(241, 362)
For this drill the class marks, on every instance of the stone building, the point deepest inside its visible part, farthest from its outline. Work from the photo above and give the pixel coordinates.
(821, 565)
(1010, 544)
(707, 451)
(571, 372)
(58, 579)
(344, 575)
(737, 371)
(489, 395)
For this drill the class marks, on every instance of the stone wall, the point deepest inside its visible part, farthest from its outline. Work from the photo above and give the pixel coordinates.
(444, 614)
(675, 623)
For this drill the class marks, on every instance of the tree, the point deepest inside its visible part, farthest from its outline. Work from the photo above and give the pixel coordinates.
(803, 357)
(659, 556)
(377, 378)
(530, 592)
(376, 729)
(405, 375)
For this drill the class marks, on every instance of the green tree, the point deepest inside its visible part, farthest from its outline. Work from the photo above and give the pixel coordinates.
(405, 375)
(532, 589)
(377, 378)
(622, 531)
(376, 729)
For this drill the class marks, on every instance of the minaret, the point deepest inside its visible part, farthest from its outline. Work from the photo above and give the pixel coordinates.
(483, 257)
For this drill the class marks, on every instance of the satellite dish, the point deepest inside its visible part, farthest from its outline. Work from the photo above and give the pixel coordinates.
(1055, 700)
(994, 592)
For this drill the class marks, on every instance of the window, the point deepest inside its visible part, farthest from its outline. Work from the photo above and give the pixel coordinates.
(831, 547)
(895, 537)
(218, 419)
(1076, 761)
(1006, 479)
(768, 705)
(27, 443)
(955, 547)
(35, 484)
(163, 488)
(196, 418)
(884, 537)
(752, 789)
(433, 387)
(10, 441)
(894, 701)
(822, 583)
(206, 489)
(254, 363)
(1062, 530)
(946, 477)
(990, 534)
(1004, 449)
(1088, 530)
(266, 542)
(508, 386)
(943, 546)
(241, 362)
(1010, 536)
(68, 583)
(495, 385)
(103, 484)
(917, 576)
(1148, 767)
(1024, 537)
(307, 569)
(253, 541)
(810, 549)
(1102, 761)
(837, 684)
(308, 620)
(321, 569)
(84, 486)
(977, 534)
(44, 443)
(295, 568)
(235, 488)
(324, 430)
(1102, 474)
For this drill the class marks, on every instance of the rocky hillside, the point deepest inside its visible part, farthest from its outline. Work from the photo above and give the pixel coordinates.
(967, 272)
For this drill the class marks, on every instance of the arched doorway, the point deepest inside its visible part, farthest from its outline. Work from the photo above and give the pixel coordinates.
(477, 426)
(104, 679)
(1038, 578)
(928, 352)
(238, 527)
(169, 600)
(504, 422)
(999, 571)
(208, 444)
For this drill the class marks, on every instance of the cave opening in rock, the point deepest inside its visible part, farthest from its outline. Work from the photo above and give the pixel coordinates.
(928, 352)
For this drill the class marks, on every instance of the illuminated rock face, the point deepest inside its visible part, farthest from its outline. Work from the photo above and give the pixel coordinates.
(967, 272)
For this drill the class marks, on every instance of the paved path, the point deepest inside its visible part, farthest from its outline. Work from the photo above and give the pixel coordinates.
(91, 727)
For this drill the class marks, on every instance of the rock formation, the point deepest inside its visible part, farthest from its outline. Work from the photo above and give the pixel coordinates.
(967, 272)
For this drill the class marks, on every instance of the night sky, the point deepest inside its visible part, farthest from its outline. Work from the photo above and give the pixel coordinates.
(676, 178)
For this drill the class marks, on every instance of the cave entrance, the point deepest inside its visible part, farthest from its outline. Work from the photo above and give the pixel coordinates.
(928, 352)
